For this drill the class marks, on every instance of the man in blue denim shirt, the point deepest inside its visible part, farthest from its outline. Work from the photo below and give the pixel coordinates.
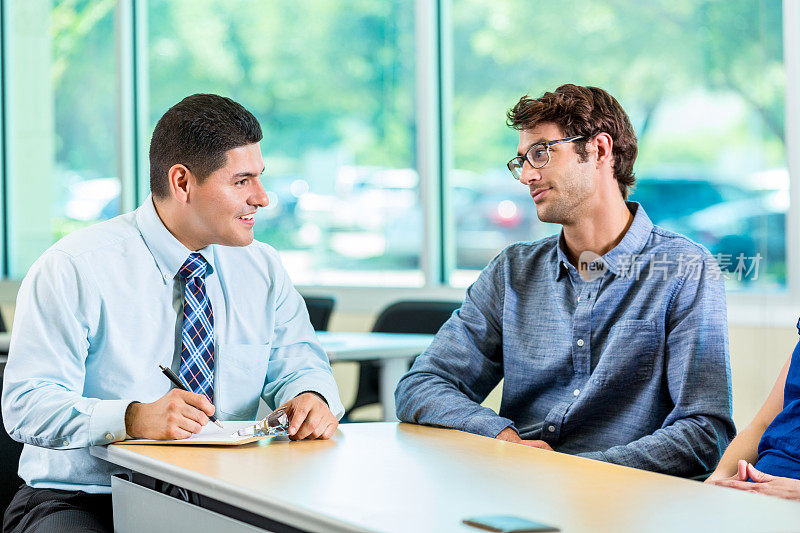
(611, 338)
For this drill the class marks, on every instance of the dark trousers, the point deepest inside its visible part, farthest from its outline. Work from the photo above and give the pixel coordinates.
(46, 510)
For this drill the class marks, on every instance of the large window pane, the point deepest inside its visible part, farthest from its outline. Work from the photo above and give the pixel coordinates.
(703, 82)
(332, 84)
(62, 123)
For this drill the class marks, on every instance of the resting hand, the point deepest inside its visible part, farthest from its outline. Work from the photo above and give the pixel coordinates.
(509, 435)
(781, 487)
(740, 475)
(177, 415)
(537, 444)
(310, 417)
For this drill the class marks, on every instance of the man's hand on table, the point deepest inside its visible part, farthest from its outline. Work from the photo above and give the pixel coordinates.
(310, 417)
(177, 415)
(509, 435)
(781, 487)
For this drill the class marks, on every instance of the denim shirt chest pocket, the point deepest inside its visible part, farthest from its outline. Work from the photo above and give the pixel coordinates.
(242, 369)
(629, 353)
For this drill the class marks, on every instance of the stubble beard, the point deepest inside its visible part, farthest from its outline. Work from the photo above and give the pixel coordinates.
(567, 204)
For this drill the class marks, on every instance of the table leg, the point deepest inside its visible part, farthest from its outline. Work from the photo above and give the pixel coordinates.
(391, 372)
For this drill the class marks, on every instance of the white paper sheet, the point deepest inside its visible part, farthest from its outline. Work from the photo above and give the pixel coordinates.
(210, 434)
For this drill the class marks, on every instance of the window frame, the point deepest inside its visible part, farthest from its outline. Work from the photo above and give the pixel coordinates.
(434, 94)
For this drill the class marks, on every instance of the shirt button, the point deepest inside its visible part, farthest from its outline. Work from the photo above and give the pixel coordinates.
(580, 342)
(109, 436)
(551, 429)
(576, 392)
(579, 299)
(65, 443)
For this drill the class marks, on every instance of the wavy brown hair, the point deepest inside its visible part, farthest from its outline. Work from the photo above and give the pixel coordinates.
(586, 111)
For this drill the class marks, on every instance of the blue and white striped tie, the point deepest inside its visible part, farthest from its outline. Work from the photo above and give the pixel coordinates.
(197, 351)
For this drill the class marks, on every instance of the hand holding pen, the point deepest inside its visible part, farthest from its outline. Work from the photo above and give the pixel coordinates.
(181, 385)
(178, 414)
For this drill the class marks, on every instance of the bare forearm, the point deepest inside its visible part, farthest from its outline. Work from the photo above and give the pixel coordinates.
(744, 446)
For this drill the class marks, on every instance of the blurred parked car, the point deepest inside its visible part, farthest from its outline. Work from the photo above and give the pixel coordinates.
(493, 220)
(669, 197)
(749, 227)
(92, 199)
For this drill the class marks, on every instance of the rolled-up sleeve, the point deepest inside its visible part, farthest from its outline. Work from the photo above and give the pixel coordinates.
(461, 366)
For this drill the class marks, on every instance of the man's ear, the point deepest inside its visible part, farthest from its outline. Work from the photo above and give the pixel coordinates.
(179, 177)
(604, 144)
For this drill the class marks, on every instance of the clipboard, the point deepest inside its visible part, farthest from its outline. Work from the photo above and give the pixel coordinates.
(211, 435)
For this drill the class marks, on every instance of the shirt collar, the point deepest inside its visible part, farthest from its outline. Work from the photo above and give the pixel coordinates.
(562, 261)
(631, 244)
(167, 251)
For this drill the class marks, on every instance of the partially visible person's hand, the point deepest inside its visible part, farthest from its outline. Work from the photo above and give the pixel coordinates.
(509, 435)
(310, 417)
(177, 415)
(740, 475)
(537, 444)
(780, 487)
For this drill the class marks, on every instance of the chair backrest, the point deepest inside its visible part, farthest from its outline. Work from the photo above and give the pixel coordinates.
(400, 317)
(9, 460)
(319, 311)
(414, 317)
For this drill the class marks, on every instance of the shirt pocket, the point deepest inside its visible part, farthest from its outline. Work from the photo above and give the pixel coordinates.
(242, 371)
(630, 351)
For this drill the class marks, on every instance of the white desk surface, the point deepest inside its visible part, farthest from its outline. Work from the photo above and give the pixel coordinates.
(403, 478)
(344, 346)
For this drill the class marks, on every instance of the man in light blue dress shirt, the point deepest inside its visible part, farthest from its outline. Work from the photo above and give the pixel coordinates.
(104, 307)
(611, 337)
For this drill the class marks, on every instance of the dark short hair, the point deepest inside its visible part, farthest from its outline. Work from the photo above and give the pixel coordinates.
(583, 111)
(196, 132)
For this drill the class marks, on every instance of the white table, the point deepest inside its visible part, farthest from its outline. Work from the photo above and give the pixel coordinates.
(399, 478)
(392, 351)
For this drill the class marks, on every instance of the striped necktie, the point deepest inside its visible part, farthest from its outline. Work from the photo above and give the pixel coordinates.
(197, 351)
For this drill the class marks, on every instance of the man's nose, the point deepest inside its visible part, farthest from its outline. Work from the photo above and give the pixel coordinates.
(528, 174)
(260, 197)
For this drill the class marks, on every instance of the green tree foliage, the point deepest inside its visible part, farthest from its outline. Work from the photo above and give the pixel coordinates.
(321, 74)
(318, 74)
(84, 78)
(645, 53)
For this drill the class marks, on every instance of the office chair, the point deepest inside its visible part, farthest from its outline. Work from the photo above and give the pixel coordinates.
(3, 329)
(401, 317)
(319, 311)
(9, 452)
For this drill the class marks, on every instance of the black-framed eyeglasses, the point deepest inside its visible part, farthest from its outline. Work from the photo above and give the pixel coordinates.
(538, 155)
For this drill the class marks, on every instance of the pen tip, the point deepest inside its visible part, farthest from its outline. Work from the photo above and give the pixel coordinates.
(218, 423)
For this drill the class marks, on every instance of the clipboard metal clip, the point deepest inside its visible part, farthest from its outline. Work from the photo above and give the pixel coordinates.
(275, 424)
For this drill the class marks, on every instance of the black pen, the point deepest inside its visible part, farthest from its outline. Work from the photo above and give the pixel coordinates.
(178, 383)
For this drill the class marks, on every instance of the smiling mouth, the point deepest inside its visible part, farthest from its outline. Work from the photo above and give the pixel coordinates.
(248, 218)
(539, 193)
